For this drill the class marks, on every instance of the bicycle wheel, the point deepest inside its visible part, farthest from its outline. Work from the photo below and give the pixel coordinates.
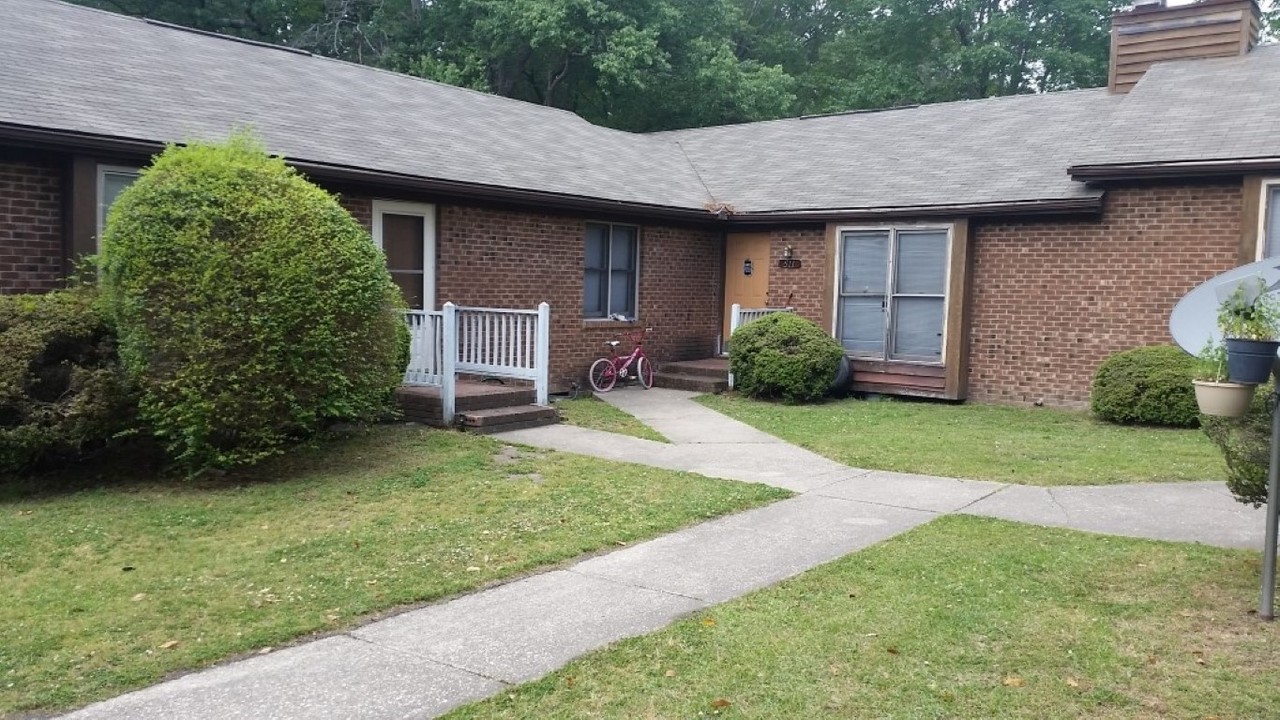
(644, 371)
(602, 375)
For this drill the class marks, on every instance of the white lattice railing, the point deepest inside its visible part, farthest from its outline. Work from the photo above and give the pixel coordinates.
(483, 341)
(742, 316)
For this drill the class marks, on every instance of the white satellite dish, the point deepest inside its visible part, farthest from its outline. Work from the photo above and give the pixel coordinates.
(1194, 320)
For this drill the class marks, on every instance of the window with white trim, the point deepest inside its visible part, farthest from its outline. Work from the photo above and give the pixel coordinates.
(893, 292)
(612, 270)
(1270, 220)
(112, 180)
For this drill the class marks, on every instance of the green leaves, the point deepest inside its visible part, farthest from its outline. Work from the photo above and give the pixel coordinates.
(252, 309)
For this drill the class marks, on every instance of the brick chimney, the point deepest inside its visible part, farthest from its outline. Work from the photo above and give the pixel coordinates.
(1152, 32)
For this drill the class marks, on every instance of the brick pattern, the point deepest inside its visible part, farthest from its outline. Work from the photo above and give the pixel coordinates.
(803, 288)
(30, 227)
(361, 208)
(502, 258)
(1052, 300)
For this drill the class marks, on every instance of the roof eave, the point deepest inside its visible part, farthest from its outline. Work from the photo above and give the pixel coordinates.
(1090, 205)
(64, 140)
(1173, 169)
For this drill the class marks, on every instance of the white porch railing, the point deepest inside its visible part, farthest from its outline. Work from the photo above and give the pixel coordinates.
(484, 341)
(741, 316)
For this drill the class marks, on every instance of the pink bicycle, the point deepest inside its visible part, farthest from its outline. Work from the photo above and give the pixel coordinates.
(607, 371)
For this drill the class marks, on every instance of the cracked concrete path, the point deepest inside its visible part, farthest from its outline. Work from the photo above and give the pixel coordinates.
(424, 662)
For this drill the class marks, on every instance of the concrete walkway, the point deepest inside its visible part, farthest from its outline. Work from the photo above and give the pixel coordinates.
(422, 663)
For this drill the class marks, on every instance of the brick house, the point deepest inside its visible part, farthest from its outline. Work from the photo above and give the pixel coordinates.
(995, 250)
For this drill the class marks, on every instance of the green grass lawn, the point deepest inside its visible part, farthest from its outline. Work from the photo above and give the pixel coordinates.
(113, 586)
(591, 412)
(1035, 446)
(961, 618)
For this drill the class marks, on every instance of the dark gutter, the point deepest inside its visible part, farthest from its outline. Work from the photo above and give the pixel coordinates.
(1177, 168)
(1069, 206)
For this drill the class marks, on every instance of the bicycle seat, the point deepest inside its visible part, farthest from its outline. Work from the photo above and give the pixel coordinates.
(612, 343)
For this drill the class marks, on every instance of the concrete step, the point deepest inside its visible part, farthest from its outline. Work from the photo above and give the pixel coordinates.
(517, 417)
(692, 383)
(707, 367)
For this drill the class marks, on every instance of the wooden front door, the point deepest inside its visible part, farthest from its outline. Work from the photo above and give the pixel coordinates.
(746, 273)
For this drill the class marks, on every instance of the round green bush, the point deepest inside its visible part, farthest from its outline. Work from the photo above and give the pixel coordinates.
(62, 389)
(1245, 443)
(252, 309)
(784, 356)
(1148, 386)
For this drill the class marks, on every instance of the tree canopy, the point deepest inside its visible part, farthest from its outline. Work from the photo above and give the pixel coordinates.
(661, 64)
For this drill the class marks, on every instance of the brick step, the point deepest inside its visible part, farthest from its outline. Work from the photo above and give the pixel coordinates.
(708, 367)
(491, 420)
(692, 383)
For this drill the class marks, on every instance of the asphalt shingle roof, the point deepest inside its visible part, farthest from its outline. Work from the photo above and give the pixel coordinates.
(978, 151)
(1221, 109)
(75, 69)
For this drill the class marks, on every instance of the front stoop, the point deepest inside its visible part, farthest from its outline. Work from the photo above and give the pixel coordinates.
(478, 405)
(501, 419)
(710, 375)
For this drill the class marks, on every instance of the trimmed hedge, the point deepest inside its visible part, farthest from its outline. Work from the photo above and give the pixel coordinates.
(252, 308)
(63, 391)
(1246, 445)
(784, 356)
(1148, 386)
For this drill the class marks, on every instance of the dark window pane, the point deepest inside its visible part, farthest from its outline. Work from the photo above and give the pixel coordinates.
(864, 263)
(861, 328)
(922, 262)
(917, 329)
(622, 293)
(410, 284)
(593, 294)
(622, 255)
(597, 247)
(402, 241)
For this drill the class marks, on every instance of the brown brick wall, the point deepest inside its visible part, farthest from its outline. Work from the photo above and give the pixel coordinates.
(804, 288)
(30, 226)
(1052, 300)
(500, 258)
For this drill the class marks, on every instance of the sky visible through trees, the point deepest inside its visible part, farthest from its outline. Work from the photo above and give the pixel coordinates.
(662, 64)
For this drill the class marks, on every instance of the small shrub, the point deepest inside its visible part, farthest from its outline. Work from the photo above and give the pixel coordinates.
(62, 389)
(1245, 443)
(782, 355)
(1147, 385)
(252, 309)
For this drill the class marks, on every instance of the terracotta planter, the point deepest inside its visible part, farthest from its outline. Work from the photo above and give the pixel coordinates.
(1224, 399)
(1250, 361)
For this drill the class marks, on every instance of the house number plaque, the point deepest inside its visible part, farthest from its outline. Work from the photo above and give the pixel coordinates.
(789, 263)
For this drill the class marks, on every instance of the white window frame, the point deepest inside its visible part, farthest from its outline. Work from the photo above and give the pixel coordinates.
(635, 294)
(428, 214)
(1268, 186)
(891, 269)
(100, 213)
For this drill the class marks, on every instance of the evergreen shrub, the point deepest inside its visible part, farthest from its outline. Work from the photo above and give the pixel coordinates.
(252, 308)
(784, 356)
(1148, 386)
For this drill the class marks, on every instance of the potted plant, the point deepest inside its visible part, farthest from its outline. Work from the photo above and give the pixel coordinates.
(1250, 322)
(1215, 394)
